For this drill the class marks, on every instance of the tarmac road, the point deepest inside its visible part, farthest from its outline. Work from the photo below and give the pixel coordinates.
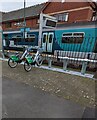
(23, 101)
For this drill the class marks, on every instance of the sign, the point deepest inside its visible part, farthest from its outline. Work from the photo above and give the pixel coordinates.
(26, 29)
(50, 23)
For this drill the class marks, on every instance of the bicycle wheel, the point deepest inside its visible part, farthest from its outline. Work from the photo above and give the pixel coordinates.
(39, 60)
(27, 67)
(12, 63)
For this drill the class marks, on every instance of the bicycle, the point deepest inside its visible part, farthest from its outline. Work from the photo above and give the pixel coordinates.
(37, 59)
(14, 60)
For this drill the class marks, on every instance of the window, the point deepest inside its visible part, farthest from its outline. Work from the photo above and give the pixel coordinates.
(30, 38)
(8, 25)
(94, 18)
(19, 23)
(62, 17)
(44, 38)
(6, 36)
(17, 38)
(67, 34)
(72, 38)
(50, 38)
(63, 1)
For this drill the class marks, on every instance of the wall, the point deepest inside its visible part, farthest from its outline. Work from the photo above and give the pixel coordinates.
(59, 6)
(81, 15)
(78, 11)
(31, 23)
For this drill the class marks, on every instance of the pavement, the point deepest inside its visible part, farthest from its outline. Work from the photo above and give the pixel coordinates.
(23, 101)
(70, 87)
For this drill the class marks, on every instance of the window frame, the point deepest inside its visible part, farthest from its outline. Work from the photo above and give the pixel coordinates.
(29, 38)
(44, 38)
(74, 40)
(62, 17)
(50, 38)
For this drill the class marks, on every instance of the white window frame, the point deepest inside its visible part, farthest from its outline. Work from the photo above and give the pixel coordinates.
(62, 17)
(72, 34)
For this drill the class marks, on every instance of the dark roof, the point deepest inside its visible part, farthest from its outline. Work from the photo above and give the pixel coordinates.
(19, 14)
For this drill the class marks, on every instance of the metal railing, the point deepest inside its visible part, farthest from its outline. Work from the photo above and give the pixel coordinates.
(81, 60)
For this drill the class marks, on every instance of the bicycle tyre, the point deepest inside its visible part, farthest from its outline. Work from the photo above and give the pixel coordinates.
(39, 61)
(27, 67)
(12, 63)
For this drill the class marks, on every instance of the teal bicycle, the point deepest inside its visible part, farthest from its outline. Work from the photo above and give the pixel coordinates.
(14, 60)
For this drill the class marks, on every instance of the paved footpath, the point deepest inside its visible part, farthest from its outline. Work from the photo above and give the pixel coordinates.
(23, 101)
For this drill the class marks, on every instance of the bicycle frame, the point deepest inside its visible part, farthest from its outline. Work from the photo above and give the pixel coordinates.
(18, 59)
(31, 60)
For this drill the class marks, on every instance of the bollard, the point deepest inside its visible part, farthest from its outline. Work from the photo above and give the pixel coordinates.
(49, 62)
(65, 63)
(84, 66)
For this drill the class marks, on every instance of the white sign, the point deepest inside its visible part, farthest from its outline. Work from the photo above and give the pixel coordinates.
(4, 43)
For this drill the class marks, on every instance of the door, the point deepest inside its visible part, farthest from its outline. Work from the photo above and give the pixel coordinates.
(50, 42)
(47, 41)
(44, 41)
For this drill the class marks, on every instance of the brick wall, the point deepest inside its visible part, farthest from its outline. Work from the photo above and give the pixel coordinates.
(58, 6)
(81, 15)
(78, 11)
(31, 23)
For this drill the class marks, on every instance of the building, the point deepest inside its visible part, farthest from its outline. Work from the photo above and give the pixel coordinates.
(65, 12)
(15, 19)
(1, 14)
(71, 12)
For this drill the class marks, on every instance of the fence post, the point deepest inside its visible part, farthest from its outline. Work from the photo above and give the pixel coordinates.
(58, 56)
(84, 66)
(49, 61)
(65, 63)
